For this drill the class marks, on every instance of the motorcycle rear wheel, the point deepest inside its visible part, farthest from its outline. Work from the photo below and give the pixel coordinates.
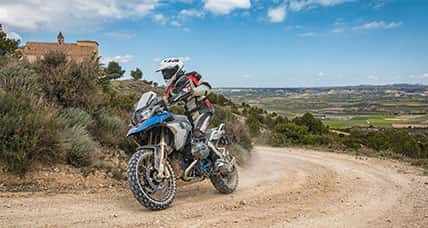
(143, 183)
(226, 184)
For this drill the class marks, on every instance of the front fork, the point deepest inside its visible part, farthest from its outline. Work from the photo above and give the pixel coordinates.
(160, 155)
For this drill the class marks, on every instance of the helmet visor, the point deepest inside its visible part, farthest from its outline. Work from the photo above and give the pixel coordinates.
(168, 73)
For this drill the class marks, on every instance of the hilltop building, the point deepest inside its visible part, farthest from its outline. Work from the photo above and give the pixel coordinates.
(78, 51)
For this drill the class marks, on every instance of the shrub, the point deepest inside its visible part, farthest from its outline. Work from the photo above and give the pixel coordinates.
(121, 102)
(352, 143)
(253, 124)
(54, 59)
(316, 140)
(75, 117)
(403, 143)
(7, 46)
(221, 115)
(378, 141)
(71, 84)
(289, 133)
(108, 129)
(76, 140)
(29, 132)
(79, 146)
(314, 126)
(17, 79)
(239, 134)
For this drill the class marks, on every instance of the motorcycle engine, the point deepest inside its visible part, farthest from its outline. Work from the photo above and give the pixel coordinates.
(200, 151)
(205, 167)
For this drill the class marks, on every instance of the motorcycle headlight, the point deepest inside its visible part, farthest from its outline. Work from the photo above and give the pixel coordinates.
(144, 115)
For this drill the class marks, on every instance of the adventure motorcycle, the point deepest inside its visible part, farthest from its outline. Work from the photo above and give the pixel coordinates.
(165, 153)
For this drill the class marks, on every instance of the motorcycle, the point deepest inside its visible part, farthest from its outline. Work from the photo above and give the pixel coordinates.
(165, 154)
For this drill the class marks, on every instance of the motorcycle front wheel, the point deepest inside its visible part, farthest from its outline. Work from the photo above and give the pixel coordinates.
(149, 190)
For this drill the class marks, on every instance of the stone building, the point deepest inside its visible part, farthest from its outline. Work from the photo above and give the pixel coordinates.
(75, 51)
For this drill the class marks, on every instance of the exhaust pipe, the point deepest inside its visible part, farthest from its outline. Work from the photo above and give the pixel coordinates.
(186, 176)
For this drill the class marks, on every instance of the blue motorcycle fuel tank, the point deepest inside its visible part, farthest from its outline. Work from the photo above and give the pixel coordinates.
(152, 121)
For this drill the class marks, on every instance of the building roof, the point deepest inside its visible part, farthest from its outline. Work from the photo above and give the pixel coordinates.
(79, 50)
(74, 49)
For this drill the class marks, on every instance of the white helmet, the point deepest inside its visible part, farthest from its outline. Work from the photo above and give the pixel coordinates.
(170, 67)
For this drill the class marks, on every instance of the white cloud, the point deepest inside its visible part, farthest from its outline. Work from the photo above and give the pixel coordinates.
(160, 19)
(223, 7)
(122, 59)
(307, 34)
(60, 14)
(120, 35)
(420, 76)
(298, 5)
(191, 13)
(373, 77)
(176, 24)
(338, 30)
(277, 14)
(378, 25)
(14, 36)
(147, 6)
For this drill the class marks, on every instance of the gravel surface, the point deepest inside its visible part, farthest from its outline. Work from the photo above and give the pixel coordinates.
(282, 187)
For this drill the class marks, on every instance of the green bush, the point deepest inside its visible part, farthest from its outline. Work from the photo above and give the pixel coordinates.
(76, 140)
(253, 124)
(54, 59)
(405, 144)
(314, 126)
(29, 132)
(221, 115)
(239, 134)
(316, 140)
(73, 117)
(352, 143)
(18, 79)
(109, 129)
(378, 141)
(79, 146)
(71, 84)
(288, 134)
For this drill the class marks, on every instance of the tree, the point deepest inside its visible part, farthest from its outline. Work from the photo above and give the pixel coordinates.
(315, 126)
(253, 125)
(114, 70)
(136, 74)
(7, 46)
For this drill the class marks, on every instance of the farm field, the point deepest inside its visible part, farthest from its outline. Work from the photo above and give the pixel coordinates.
(345, 107)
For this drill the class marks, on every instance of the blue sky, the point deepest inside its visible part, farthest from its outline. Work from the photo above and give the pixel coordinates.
(246, 43)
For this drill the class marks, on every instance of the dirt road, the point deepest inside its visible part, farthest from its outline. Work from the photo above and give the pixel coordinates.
(282, 188)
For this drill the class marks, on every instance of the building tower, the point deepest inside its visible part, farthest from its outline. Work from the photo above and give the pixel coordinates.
(60, 38)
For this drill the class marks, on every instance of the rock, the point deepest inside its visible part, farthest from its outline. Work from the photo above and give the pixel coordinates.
(242, 202)
(115, 215)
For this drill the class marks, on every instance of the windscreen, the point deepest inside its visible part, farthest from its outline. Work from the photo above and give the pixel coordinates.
(145, 100)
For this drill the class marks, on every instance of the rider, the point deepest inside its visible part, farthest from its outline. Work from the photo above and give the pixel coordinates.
(192, 91)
